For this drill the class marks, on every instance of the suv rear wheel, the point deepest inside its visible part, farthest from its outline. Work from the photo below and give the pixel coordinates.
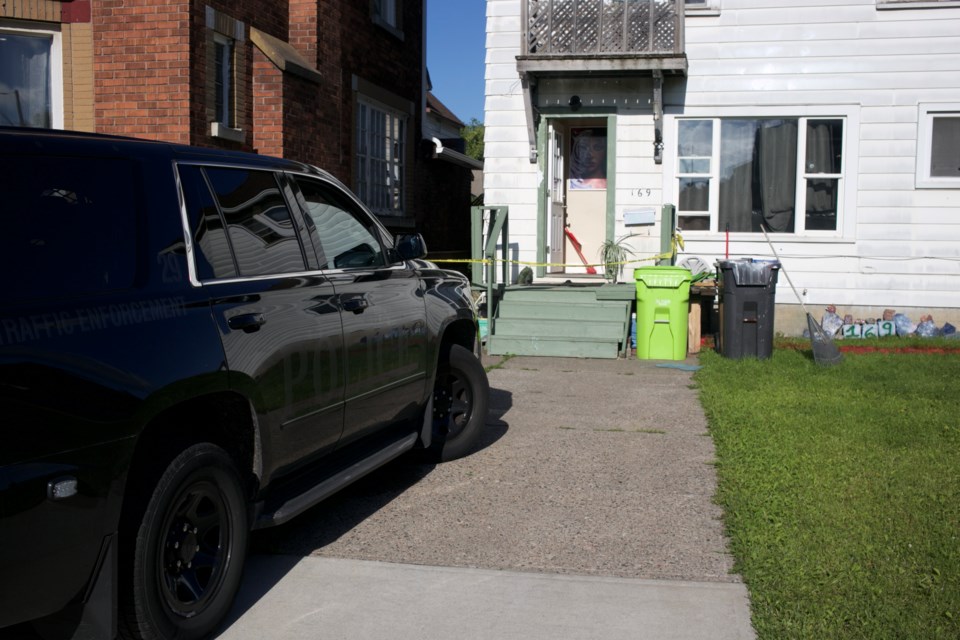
(460, 396)
(190, 548)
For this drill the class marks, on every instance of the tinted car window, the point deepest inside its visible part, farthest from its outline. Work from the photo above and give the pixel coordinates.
(68, 223)
(346, 238)
(212, 250)
(258, 222)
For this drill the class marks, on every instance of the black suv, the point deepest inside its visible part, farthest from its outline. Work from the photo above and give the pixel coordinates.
(193, 344)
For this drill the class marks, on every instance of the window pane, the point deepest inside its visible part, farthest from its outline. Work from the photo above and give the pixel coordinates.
(695, 138)
(381, 150)
(70, 223)
(346, 237)
(386, 10)
(694, 223)
(945, 155)
(758, 174)
(261, 231)
(223, 81)
(212, 251)
(690, 165)
(694, 194)
(25, 95)
(824, 146)
(821, 212)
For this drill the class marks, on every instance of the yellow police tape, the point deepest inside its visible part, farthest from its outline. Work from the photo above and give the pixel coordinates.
(677, 243)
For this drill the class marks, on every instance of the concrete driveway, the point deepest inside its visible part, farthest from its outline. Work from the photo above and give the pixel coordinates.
(586, 512)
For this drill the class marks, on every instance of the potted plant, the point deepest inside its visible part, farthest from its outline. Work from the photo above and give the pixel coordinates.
(613, 254)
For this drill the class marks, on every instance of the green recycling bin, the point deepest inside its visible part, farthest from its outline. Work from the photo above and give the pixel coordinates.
(663, 300)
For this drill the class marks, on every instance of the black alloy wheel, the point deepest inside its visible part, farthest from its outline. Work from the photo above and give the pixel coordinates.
(190, 549)
(460, 399)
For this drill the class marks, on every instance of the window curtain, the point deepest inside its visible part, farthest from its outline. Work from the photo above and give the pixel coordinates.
(25, 98)
(775, 182)
(758, 174)
(822, 156)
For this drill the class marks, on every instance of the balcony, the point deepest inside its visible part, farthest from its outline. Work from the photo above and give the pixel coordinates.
(573, 39)
(602, 37)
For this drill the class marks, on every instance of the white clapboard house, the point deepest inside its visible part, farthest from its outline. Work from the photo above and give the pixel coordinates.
(834, 124)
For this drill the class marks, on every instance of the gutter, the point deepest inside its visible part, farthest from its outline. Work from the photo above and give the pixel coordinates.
(445, 153)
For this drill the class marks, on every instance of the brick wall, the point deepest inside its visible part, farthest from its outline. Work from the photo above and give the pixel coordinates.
(142, 68)
(378, 57)
(78, 83)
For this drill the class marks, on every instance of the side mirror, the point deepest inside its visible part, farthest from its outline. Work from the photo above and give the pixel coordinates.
(411, 246)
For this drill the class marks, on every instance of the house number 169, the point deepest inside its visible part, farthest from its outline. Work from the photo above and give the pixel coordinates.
(641, 193)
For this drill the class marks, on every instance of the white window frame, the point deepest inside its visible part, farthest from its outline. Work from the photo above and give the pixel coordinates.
(701, 7)
(926, 115)
(56, 70)
(846, 200)
(373, 193)
(916, 4)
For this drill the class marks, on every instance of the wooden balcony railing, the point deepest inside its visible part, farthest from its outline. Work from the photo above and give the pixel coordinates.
(602, 28)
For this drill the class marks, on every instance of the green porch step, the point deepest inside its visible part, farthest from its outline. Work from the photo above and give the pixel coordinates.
(581, 311)
(558, 347)
(567, 321)
(553, 328)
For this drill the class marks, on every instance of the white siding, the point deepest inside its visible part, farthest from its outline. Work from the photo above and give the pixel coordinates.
(901, 245)
(509, 177)
(758, 55)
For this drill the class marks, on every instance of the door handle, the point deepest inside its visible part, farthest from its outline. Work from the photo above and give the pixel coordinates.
(356, 305)
(247, 322)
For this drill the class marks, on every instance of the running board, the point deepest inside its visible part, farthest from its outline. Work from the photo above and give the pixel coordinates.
(297, 505)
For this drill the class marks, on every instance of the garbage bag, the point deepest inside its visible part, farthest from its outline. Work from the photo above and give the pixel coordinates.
(749, 272)
(928, 329)
(903, 325)
(831, 323)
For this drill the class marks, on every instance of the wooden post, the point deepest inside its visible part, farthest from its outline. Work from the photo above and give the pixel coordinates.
(693, 326)
(668, 224)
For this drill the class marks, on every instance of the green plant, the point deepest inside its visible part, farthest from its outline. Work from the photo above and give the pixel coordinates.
(613, 254)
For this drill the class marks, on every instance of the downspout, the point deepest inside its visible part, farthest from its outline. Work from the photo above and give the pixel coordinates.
(529, 83)
(658, 116)
(423, 64)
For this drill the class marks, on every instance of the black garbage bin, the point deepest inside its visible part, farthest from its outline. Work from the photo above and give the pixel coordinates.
(747, 289)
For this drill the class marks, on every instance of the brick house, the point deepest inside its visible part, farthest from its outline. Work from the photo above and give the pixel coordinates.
(336, 83)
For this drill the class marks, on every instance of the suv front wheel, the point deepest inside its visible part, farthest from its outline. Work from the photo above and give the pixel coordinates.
(459, 405)
(190, 549)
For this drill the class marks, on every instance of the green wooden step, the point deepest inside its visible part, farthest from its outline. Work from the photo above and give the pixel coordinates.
(538, 327)
(558, 294)
(563, 310)
(621, 291)
(555, 347)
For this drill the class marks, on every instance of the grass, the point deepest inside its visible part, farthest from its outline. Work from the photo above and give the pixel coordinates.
(841, 490)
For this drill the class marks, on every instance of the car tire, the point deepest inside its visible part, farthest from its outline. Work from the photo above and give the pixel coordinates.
(460, 398)
(189, 551)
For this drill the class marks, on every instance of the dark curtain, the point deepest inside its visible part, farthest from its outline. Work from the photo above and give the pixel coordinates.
(758, 174)
(775, 175)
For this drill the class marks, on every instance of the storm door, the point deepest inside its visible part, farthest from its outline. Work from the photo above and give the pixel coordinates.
(557, 200)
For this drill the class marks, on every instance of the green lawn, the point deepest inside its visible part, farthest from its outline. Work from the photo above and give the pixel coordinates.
(841, 490)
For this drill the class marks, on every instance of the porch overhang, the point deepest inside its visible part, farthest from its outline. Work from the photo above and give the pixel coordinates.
(533, 68)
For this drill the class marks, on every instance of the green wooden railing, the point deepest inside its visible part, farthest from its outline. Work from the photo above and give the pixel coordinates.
(483, 252)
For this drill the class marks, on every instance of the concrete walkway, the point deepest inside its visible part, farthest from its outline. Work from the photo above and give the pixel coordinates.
(313, 598)
(586, 512)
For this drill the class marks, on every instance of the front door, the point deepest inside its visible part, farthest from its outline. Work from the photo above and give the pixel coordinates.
(586, 198)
